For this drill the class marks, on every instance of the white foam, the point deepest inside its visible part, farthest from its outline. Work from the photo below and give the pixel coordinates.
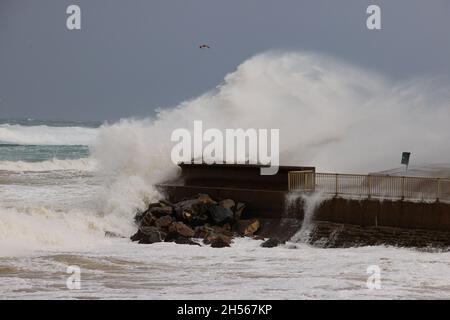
(84, 164)
(46, 135)
(24, 230)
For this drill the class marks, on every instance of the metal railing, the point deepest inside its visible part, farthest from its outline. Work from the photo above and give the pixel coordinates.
(371, 186)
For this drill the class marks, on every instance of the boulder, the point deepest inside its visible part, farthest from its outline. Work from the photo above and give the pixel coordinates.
(271, 243)
(191, 209)
(152, 238)
(220, 214)
(227, 203)
(137, 236)
(184, 240)
(163, 222)
(166, 203)
(239, 208)
(140, 215)
(219, 243)
(222, 230)
(248, 227)
(203, 231)
(147, 220)
(181, 229)
(171, 236)
(219, 240)
(162, 211)
(205, 198)
(148, 235)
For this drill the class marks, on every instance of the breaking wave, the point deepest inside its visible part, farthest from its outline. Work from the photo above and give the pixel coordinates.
(46, 135)
(86, 164)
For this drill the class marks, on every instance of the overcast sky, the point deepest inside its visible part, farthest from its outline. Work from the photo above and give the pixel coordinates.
(134, 56)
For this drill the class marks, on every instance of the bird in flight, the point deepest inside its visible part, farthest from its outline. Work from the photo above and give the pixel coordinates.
(204, 46)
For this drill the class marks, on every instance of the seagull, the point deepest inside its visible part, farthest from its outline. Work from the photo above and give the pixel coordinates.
(204, 46)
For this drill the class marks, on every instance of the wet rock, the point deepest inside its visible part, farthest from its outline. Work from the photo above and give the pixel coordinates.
(205, 198)
(162, 211)
(220, 214)
(238, 210)
(171, 236)
(147, 230)
(181, 229)
(271, 243)
(137, 236)
(163, 222)
(175, 222)
(184, 240)
(222, 230)
(219, 240)
(147, 220)
(203, 231)
(166, 203)
(220, 243)
(192, 209)
(248, 227)
(148, 235)
(151, 238)
(227, 203)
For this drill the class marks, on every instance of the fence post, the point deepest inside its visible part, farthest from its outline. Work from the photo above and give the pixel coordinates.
(369, 181)
(336, 185)
(289, 181)
(403, 188)
(438, 181)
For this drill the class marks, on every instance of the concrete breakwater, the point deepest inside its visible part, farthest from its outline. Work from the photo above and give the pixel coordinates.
(358, 221)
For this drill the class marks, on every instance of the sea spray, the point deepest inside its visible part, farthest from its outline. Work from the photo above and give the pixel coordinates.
(311, 202)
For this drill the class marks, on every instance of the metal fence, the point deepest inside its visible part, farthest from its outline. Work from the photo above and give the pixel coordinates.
(371, 186)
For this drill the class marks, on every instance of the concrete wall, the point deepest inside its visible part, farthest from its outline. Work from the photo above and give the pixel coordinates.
(401, 214)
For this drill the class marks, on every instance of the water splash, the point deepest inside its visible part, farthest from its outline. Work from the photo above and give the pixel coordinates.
(310, 202)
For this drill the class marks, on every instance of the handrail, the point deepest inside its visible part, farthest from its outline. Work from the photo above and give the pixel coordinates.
(368, 186)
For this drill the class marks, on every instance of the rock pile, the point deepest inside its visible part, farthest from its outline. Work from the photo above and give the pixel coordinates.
(195, 219)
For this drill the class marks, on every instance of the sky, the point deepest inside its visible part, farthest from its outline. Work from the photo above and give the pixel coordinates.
(132, 57)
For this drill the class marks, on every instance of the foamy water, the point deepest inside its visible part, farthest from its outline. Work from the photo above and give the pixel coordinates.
(46, 135)
(124, 270)
(63, 187)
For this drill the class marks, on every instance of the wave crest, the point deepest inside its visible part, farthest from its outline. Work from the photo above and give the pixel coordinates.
(85, 164)
(46, 135)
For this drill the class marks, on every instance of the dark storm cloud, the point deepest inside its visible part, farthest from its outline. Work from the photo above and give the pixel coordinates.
(133, 56)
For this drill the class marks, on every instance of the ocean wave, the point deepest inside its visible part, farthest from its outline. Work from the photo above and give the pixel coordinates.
(46, 135)
(26, 229)
(85, 164)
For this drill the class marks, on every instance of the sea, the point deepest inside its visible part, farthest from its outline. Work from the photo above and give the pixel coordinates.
(53, 218)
